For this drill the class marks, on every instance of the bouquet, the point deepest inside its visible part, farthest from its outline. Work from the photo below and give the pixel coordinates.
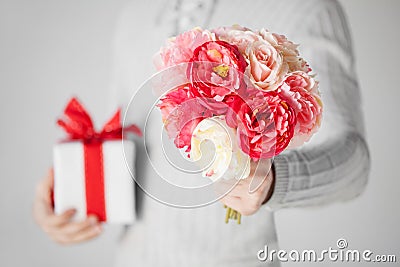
(248, 92)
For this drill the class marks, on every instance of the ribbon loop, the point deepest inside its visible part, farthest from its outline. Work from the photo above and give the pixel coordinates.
(78, 124)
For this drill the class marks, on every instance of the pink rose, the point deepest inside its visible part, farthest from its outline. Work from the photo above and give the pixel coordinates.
(181, 113)
(288, 49)
(173, 99)
(280, 42)
(301, 92)
(267, 67)
(266, 125)
(237, 35)
(180, 49)
(303, 80)
(216, 70)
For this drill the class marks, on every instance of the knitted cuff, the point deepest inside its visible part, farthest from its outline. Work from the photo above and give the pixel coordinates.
(281, 188)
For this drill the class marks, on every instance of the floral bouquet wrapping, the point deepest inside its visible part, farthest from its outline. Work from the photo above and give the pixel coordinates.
(248, 92)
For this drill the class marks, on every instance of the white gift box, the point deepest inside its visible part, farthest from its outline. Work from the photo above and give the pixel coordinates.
(70, 180)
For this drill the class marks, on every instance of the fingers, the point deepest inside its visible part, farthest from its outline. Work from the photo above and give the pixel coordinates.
(49, 179)
(261, 166)
(60, 227)
(258, 183)
(87, 234)
(63, 231)
(230, 187)
(78, 231)
(241, 188)
(42, 205)
(55, 221)
(45, 187)
(233, 202)
(237, 203)
(244, 206)
(247, 195)
(259, 174)
(73, 228)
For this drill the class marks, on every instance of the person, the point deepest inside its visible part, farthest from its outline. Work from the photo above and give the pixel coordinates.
(332, 167)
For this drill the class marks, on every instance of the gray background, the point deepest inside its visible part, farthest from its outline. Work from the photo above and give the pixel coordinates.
(50, 50)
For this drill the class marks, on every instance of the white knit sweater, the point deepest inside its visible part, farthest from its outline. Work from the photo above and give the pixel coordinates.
(333, 166)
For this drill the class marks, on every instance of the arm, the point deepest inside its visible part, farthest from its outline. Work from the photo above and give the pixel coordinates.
(335, 164)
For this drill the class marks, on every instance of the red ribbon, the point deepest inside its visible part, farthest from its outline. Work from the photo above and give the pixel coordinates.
(79, 126)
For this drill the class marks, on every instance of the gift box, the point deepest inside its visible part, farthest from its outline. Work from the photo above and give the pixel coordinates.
(92, 170)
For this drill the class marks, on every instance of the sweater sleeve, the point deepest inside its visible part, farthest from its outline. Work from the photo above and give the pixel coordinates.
(334, 165)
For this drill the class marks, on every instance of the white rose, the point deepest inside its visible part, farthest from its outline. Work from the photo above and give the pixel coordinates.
(226, 159)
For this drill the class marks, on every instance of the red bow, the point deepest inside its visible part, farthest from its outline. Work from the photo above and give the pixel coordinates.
(79, 125)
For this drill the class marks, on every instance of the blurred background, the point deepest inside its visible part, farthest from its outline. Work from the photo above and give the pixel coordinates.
(51, 50)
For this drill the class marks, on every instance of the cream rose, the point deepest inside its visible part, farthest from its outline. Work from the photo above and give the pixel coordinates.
(267, 68)
(288, 49)
(227, 159)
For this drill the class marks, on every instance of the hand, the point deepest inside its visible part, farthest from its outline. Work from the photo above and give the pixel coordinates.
(60, 227)
(247, 195)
